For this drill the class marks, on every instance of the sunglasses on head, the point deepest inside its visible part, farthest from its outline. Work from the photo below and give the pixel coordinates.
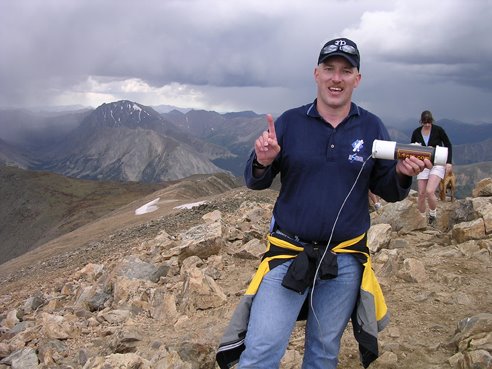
(344, 48)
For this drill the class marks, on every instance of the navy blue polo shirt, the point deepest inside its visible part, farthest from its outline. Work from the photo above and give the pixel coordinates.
(318, 165)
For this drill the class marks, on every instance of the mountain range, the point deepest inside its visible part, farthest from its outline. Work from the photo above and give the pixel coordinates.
(127, 141)
(122, 141)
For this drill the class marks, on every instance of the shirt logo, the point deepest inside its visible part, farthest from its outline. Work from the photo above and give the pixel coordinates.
(357, 145)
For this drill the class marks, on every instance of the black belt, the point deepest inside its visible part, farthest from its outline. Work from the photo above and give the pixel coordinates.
(298, 239)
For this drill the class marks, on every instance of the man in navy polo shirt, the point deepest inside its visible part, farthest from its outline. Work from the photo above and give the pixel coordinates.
(322, 152)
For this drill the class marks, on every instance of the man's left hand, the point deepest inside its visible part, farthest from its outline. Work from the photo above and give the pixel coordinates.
(412, 166)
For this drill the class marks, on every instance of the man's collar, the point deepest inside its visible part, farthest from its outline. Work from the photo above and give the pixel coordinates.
(313, 111)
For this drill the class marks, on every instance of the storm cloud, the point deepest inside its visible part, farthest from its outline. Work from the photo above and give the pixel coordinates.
(246, 55)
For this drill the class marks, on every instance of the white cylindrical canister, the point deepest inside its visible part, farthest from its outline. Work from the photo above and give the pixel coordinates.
(441, 155)
(383, 149)
(391, 150)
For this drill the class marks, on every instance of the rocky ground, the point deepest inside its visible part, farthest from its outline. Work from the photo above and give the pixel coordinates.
(158, 291)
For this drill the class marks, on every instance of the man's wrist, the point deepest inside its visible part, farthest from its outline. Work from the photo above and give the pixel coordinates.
(258, 165)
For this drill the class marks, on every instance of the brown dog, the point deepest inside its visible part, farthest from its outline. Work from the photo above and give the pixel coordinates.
(449, 181)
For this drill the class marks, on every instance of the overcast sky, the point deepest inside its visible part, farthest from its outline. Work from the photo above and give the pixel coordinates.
(234, 55)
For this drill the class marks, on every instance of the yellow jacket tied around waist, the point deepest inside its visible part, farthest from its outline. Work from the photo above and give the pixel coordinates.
(369, 317)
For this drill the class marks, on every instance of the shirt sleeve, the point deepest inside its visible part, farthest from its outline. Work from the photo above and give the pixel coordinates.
(262, 182)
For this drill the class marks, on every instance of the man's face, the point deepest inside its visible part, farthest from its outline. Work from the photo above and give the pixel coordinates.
(336, 79)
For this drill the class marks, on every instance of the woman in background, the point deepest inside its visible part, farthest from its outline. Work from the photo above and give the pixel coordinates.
(430, 134)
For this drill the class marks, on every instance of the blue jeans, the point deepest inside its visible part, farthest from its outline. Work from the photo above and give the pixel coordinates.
(275, 309)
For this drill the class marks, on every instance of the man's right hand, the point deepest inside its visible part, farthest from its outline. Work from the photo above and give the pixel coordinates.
(266, 146)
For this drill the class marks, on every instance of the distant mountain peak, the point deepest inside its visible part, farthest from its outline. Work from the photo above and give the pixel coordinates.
(124, 113)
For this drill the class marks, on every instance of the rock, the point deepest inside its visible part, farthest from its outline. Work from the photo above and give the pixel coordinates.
(58, 327)
(129, 361)
(462, 298)
(470, 328)
(161, 271)
(134, 268)
(34, 302)
(389, 258)
(469, 248)
(378, 237)
(25, 358)
(483, 188)
(52, 351)
(202, 241)
(201, 291)
(483, 207)
(83, 357)
(455, 360)
(473, 230)
(212, 217)
(91, 272)
(21, 327)
(12, 318)
(24, 337)
(159, 244)
(68, 289)
(254, 213)
(398, 243)
(463, 212)
(164, 306)
(477, 359)
(125, 340)
(115, 316)
(403, 216)
(97, 301)
(129, 292)
(169, 358)
(198, 354)
(253, 249)
(4, 350)
(413, 271)
(473, 339)
(387, 360)
(84, 294)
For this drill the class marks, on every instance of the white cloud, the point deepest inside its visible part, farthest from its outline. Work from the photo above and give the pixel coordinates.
(98, 90)
(244, 54)
(420, 31)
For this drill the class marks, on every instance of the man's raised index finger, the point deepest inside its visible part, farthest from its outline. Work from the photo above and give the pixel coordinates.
(271, 126)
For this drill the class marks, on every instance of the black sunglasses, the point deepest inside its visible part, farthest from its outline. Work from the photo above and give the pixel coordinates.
(345, 48)
(426, 121)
